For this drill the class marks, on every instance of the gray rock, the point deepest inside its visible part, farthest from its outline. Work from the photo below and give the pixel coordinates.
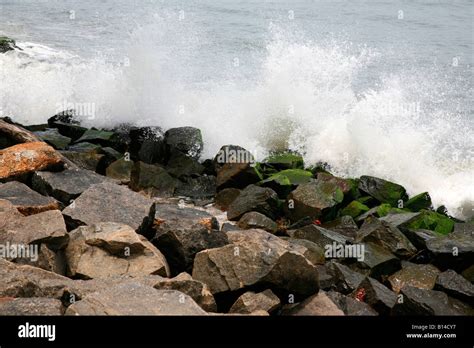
(54, 138)
(456, 286)
(256, 220)
(152, 179)
(382, 190)
(345, 279)
(351, 306)
(254, 198)
(187, 140)
(225, 197)
(27, 201)
(378, 296)
(378, 262)
(320, 236)
(344, 225)
(85, 160)
(454, 251)
(202, 187)
(234, 167)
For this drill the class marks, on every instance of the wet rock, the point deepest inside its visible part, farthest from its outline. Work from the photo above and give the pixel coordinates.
(254, 198)
(344, 225)
(419, 276)
(419, 202)
(464, 228)
(187, 140)
(345, 279)
(47, 227)
(110, 202)
(26, 158)
(354, 209)
(120, 170)
(31, 307)
(135, 299)
(419, 237)
(378, 296)
(455, 251)
(152, 179)
(313, 252)
(180, 165)
(317, 305)
(321, 236)
(282, 161)
(54, 138)
(147, 144)
(351, 306)
(27, 201)
(97, 136)
(109, 249)
(387, 236)
(183, 232)
(186, 284)
(313, 198)
(456, 286)
(326, 279)
(250, 302)
(433, 221)
(67, 124)
(7, 44)
(256, 220)
(202, 187)
(66, 185)
(86, 160)
(86, 147)
(428, 302)
(235, 167)
(256, 257)
(382, 190)
(285, 181)
(378, 262)
(225, 197)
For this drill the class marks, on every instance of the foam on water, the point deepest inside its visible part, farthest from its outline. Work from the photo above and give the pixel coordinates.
(403, 128)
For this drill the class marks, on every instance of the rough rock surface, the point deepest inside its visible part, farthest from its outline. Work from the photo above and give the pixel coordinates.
(27, 201)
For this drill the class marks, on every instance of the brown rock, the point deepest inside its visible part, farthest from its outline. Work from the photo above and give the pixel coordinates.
(319, 304)
(419, 276)
(31, 307)
(251, 302)
(27, 201)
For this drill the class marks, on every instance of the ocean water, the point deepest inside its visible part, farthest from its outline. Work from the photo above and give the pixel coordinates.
(379, 88)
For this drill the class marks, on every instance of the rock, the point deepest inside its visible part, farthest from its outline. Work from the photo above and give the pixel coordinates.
(313, 199)
(433, 221)
(12, 134)
(186, 284)
(86, 147)
(419, 202)
(27, 201)
(326, 279)
(7, 44)
(110, 202)
(49, 260)
(317, 305)
(400, 220)
(387, 236)
(285, 181)
(187, 140)
(378, 262)
(313, 252)
(183, 232)
(354, 209)
(147, 144)
(464, 228)
(250, 302)
(110, 249)
(455, 251)
(47, 227)
(428, 302)
(235, 167)
(344, 225)
(345, 280)
(256, 220)
(26, 158)
(382, 190)
(66, 185)
(255, 257)
(86, 160)
(378, 296)
(202, 187)
(254, 198)
(225, 197)
(420, 237)
(135, 299)
(96, 136)
(228, 226)
(284, 161)
(456, 286)
(120, 170)
(419, 276)
(67, 124)
(152, 179)
(31, 307)
(54, 138)
(180, 165)
(468, 273)
(351, 306)
(321, 236)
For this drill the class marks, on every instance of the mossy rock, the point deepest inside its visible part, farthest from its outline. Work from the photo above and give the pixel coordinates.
(382, 190)
(385, 209)
(354, 209)
(285, 161)
(285, 181)
(6, 44)
(419, 202)
(431, 220)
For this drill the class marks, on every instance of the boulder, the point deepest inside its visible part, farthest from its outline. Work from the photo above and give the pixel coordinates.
(313, 199)
(49, 260)
(235, 167)
(316, 305)
(378, 296)
(418, 302)
(282, 161)
(313, 252)
(37, 306)
(387, 236)
(183, 232)
(7, 44)
(456, 286)
(180, 165)
(85, 147)
(354, 209)
(419, 276)
(225, 197)
(202, 187)
(135, 299)
(26, 158)
(433, 221)
(147, 144)
(345, 280)
(120, 170)
(27, 201)
(187, 140)
(250, 302)
(344, 225)
(111, 249)
(98, 136)
(285, 181)
(419, 202)
(382, 190)
(378, 262)
(318, 235)
(455, 251)
(254, 198)
(86, 160)
(351, 306)
(257, 220)
(66, 185)
(419, 237)
(110, 202)
(52, 137)
(256, 257)
(152, 179)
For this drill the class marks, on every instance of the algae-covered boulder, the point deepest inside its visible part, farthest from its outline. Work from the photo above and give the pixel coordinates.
(354, 209)
(431, 220)
(283, 161)
(286, 180)
(419, 202)
(382, 190)
(6, 44)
